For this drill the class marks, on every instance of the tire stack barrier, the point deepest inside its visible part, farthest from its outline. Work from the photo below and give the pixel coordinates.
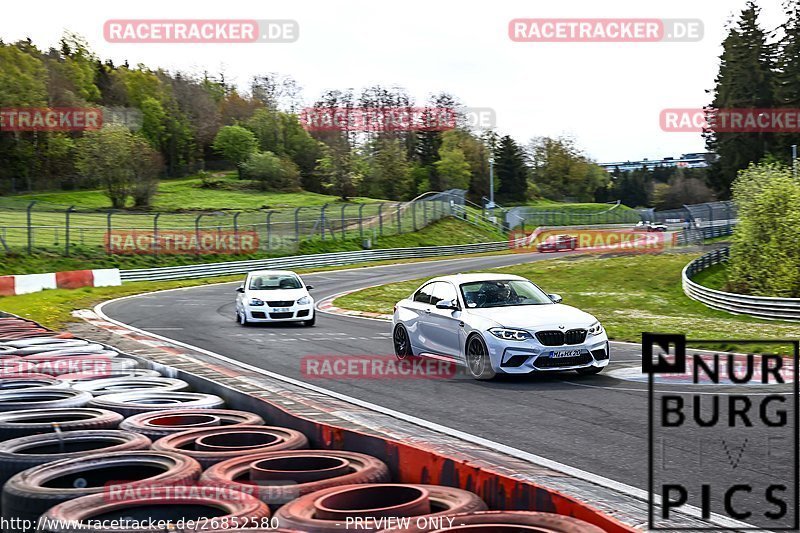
(73, 447)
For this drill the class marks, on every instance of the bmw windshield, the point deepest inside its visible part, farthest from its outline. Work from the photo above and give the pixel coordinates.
(502, 293)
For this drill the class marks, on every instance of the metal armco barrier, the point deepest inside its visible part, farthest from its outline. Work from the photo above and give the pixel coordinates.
(757, 306)
(305, 261)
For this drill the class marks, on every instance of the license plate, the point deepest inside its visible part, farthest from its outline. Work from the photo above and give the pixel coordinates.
(555, 354)
(281, 309)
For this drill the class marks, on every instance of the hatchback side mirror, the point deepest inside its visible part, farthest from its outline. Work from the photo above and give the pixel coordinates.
(447, 304)
(309, 287)
(556, 298)
(240, 288)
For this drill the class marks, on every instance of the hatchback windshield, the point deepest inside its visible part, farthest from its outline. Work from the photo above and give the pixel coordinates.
(502, 293)
(274, 281)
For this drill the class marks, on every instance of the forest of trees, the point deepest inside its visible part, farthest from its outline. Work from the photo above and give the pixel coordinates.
(188, 123)
(759, 69)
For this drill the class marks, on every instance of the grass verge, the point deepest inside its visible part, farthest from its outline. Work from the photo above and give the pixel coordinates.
(189, 194)
(440, 233)
(628, 295)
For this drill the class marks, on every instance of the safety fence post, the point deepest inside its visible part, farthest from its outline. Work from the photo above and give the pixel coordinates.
(69, 210)
(237, 246)
(155, 235)
(361, 222)
(30, 228)
(108, 233)
(197, 233)
(269, 231)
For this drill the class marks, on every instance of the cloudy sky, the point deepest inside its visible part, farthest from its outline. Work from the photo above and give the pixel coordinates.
(606, 95)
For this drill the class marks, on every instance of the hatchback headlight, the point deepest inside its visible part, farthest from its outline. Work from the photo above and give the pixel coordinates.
(256, 302)
(596, 329)
(510, 334)
(305, 300)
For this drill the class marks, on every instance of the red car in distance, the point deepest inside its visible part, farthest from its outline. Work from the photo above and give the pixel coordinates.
(557, 243)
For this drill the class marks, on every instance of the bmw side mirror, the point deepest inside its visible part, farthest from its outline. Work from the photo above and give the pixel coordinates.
(309, 287)
(447, 304)
(556, 298)
(240, 288)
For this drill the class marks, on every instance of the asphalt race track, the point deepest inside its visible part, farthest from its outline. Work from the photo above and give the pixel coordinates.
(594, 423)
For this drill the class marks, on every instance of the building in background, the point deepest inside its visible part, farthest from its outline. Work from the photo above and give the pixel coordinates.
(693, 160)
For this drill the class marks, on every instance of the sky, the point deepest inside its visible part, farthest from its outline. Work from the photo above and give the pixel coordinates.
(607, 96)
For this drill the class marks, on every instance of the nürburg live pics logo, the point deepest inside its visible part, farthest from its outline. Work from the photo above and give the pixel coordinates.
(722, 434)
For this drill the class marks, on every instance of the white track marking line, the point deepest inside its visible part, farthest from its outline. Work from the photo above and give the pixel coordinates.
(601, 481)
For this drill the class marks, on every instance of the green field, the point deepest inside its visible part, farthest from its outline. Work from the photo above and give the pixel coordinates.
(550, 213)
(187, 194)
(442, 232)
(276, 217)
(713, 277)
(628, 294)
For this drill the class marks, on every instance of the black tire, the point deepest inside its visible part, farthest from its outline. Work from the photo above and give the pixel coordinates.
(14, 400)
(242, 319)
(162, 423)
(29, 494)
(230, 442)
(99, 387)
(589, 370)
(15, 424)
(226, 509)
(309, 323)
(31, 382)
(82, 377)
(22, 453)
(402, 343)
(477, 357)
(132, 403)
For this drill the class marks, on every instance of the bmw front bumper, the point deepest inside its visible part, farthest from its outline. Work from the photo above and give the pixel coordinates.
(523, 357)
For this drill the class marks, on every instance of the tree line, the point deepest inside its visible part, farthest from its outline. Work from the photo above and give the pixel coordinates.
(759, 69)
(187, 124)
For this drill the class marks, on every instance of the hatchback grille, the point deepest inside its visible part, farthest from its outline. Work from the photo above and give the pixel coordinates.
(281, 315)
(550, 338)
(560, 362)
(281, 303)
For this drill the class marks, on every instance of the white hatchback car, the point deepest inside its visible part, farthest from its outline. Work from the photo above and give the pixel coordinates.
(498, 323)
(274, 296)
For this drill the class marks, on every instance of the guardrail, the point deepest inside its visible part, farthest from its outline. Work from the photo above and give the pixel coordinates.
(757, 306)
(319, 260)
(305, 261)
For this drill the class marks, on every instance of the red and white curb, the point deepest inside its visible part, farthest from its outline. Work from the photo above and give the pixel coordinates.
(326, 306)
(73, 279)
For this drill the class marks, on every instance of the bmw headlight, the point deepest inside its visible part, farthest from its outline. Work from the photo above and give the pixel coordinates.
(596, 329)
(305, 300)
(256, 302)
(510, 334)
